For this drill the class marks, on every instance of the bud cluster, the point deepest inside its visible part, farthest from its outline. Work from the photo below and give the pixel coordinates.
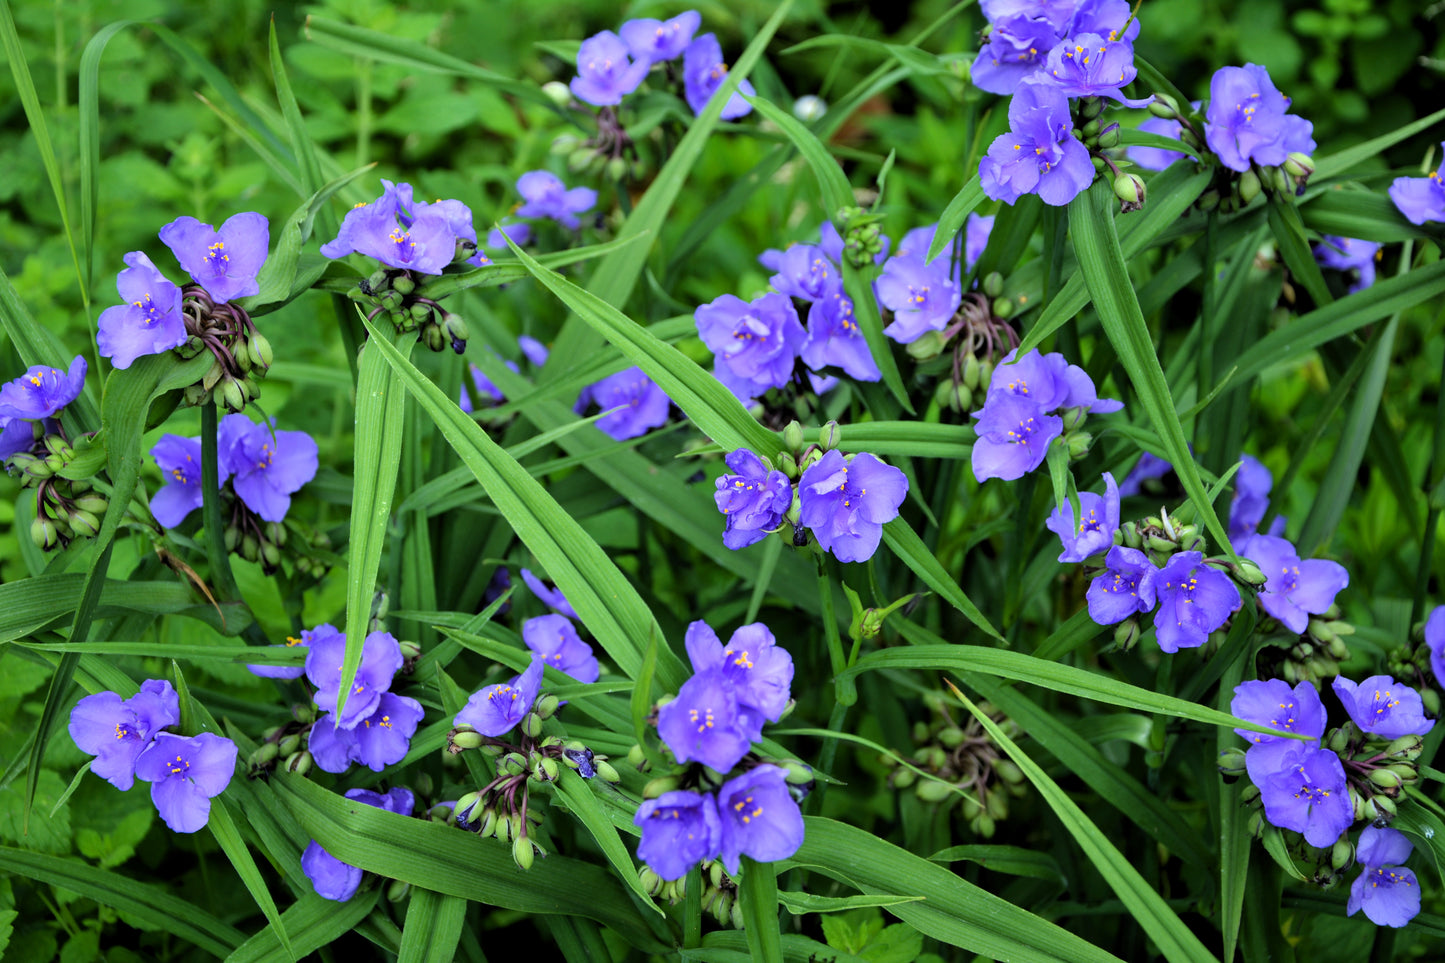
(401, 296)
(1314, 656)
(242, 355)
(66, 505)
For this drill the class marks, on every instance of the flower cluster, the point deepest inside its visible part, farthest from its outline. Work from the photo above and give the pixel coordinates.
(1421, 199)
(714, 720)
(406, 234)
(376, 725)
(129, 742)
(1247, 121)
(330, 877)
(1028, 401)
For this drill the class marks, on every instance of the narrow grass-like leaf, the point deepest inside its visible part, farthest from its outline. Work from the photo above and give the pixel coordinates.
(950, 222)
(433, 927)
(301, 143)
(800, 903)
(576, 793)
(89, 111)
(1341, 161)
(145, 902)
(905, 543)
(1165, 928)
(223, 828)
(28, 605)
(311, 923)
(758, 891)
(1289, 234)
(1013, 860)
(832, 182)
(1359, 214)
(1101, 262)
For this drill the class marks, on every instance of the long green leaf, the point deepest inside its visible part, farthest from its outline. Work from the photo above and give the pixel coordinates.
(758, 890)
(311, 923)
(433, 927)
(950, 222)
(28, 605)
(578, 796)
(89, 107)
(223, 828)
(302, 144)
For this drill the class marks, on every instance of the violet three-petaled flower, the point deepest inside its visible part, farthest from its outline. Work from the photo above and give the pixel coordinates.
(922, 297)
(1148, 467)
(555, 639)
(760, 671)
(845, 504)
(759, 817)
(1349, 254)
(267, 466)
(1252, 484)
(1272, 703)
(546, 196)
(1309, 794)
(679, 830)
(804, 272)
(381, 659)
(185, 774)
(1124, 588)
(1013, 439)
(1039, 154)
(42, 391)
(116, 731)
(656, 41)
(1421, 199)
(755, 343)
(703, 73)
(753, 497)
(149, 322)
(223, 260)
(706, 722)
(330, 877)
(606, 71)
(1094, 532)
(179, 460)
(285, 671)
(1383, 707)
(1088, 65)
(1387, 891)
(640, 405)
(496, 709)
(1194, 600)
(1020, 38)
(1295, 588)
(551, 597)
(1247, 120)
(834, 338)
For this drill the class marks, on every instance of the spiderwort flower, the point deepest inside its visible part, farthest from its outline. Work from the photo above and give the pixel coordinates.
(754, 499)
(495, 710)
(1435, 643)
(520, 233)
(1383, 707)
(760, 671)
(1247, 121)
(1271, 702)
(679, 830)
(605, 71)
(1157, 158)
(116, 731)
(1124, 588)
(546, 196)
(268, 466)
(703, 72)
(1039, 155)
(16, 435)
(486, 390)
(643, 405)
(551, 597)
(755, 343)
(705, 722)
(179, 459)
(759, 817)
(1309, 794)
(1421, 199)
(834, 338)
(534, 350)
(922, 297)
(846, 503)
(224, 260)
(149, 322)
(1387, 891)
(1020, 37)
(379, 740)
(42, 391)
(1296, 589)
(283, 671)
(381, 659)
(1095, 532)
(804, 272)
(1251, 499)
(1088, 65)
(656, 41)
(1013, 439)
(185, 773)
(330, 877)
(1194, 600)
(402, 233)
(1349, 254)
(976, 232)
(554, 638)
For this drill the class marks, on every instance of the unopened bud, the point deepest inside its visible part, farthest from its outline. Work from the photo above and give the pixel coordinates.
(547, 706)
(1164, 106)
(1008, 771)
(1231, 762)
(1385, 779)
(829, 436)
(462, 739)
(788, 465)
(605, 772)
(1003, 308)
(926, 346)
(549, 769)
(1249, 186)
(434, 338)
(289, 744)
(232, 396)
(1079, 443)
(532, 724)
(522, 852)
(299, 762)
(43, 533)
(658, 786)
(1129, 188)
(1406, 747)
(557, 92)
(264, 755)
(1126, 633)
(931, 790)
(1108, 137)
(1091, 107)
(793, 436)
(1342, 854)
(1299, 166)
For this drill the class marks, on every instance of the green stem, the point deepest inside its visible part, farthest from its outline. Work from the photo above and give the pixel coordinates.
(211, 508)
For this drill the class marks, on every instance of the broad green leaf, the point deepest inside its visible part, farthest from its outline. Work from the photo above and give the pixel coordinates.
(311, 923)
(758, 893)
(576, 793)
(1013, 860)
(433, 927)
(800, 903)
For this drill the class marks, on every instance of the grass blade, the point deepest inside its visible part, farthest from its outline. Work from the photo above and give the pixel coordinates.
(758, 890)
(433, 927)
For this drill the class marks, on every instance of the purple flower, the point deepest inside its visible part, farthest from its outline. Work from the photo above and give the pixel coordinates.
(1039, 155)
(380, 740)
(554, 638)
(1035, 378)
(1247, 120)
(519, 231)
(551, 597)
(760, 672)
(1124, 588)
(1157, 158)
(401, 233)
(496, 709)
(115, 731)
(1349, 254)
(922, 297)
(284, 671)
(486, 391)
(1088, 65)
(179, 460)
(42, 391)
(381, 659)
(1104, 17)
(656, 41)
(754, 499)
(330, 877)
(1309, 794)
(185, 773)
(547, 196)
(268, 466)
(759, 818)
(17, 435)
(1251, 500)
(149, 322)
(1273, 703)
(706, 723)
(535, 351)
(976, 231)
(605, 71)
(834, 338)
(703, 72)
(1194, 600)
(1435, 643)
(1387, 891)
(679, 830)
(1095, 532)
(756, 343)
(1421, 199)
(224, 260)
(1383, 707)
(846, 503)
(804, 272)
(1295, 589)
(643, 404)
(1148, 466)
(1020, 37)
(1013, 439)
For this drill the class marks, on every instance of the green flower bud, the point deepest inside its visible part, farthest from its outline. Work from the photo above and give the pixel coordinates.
(651, 882)
(264, 755)
(996, 805)
(43, 533)
(993, 284)
(658, 786)
(1231, 762)
(435, 339)
(1208, 201)
(788, 465)
(617, 169)
(487, 825)
(403, 285)
(931, 790)
(1126, 633)
(580, 160)
(564, 144)
(1129, 188)
(903, 778)
(636, 756)
(532, 724)
(396, 891)
(1008, 771)
(1342, 854)
(1164, 106)
(420, 313)
(829, 436)
(954, 397)
(1384, 808)
(1108, 137)
(1003, 308)
(522, 852)
(270, 556)
(513, 764)
(550, 769)
(798, 774)
(1090, 107)
(1079, 443)
(1249, 186)
(605, 772)
(557, 92)
(410, 650)
(985, 375)
(982, 825)
(289, 744)
(1299, 166)
(547, 706)
(299, 762)
(1386, 780)
(1407, 748)
(1099, 164)
(1249, 573)
(926, 347)
(232, 396)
